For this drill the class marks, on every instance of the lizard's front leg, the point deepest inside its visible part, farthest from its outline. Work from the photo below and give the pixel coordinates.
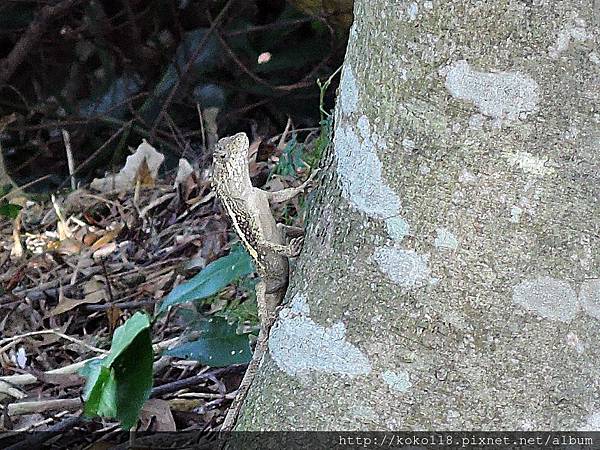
(289, 193)
(291, 250)
(290, 231)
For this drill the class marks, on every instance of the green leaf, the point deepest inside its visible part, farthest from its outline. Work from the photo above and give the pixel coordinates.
(212, 279)
(242, 311)
(218, 346)
(126, 334)
(322, 142)
(5, 189)
(118, 385)
(9, 210)
(100, 393)
(291, 159)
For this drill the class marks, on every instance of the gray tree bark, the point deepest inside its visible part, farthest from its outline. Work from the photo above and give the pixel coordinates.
(451, 273)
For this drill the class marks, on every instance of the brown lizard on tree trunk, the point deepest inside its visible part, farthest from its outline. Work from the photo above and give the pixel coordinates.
(249, 210)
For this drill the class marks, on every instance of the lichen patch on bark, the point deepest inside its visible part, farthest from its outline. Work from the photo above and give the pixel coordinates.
(573, 340)
(299, 346)
(397, 228)
(589, 296)
(406, 268)
(360, 172)
(556, 300)
(412, 10)
(445, 239)
(529, 163)
(397, 381)
(348, 99)
(573, 32)
(550, 298)
(592, 422)
(515, 213)
(499, 95)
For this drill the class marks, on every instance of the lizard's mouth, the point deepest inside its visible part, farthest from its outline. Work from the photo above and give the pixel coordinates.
(220, 154)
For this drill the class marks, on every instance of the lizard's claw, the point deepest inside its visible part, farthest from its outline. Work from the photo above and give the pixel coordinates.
(296, 246)
(313, 175)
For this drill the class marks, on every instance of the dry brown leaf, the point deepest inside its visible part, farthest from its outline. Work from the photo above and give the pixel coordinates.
(113, 315)
(62, 380)
(188, 187)
(184, 171)
(126, 179)
(203, 198)
(7, 120)
(64, 304)
(94, 293)
(153, 204)
(108, 237)
(28, 421)
(155, 286)
(105, 251)
(62, 227)
(89, 238)
(144, 176)
(95, 290)
(69, 246)
(157, 412)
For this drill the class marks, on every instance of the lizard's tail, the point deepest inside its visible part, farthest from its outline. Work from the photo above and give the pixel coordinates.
(236, 405)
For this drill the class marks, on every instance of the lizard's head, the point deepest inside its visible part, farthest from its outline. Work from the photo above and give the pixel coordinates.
(231, 148)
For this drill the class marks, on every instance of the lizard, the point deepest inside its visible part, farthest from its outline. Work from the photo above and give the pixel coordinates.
(248, 207)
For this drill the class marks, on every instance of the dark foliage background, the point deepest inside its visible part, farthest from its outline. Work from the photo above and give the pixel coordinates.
(83, 268)
(114, 72)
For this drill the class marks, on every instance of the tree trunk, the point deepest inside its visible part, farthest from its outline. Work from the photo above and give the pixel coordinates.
(451, 274)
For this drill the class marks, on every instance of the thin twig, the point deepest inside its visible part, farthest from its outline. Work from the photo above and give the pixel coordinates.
(30, 38)
(111, 298)
(296, 130)
(305, 82)
(100, 149)
(25, 379)
(193, 380)
(70, 161)
(39, 291)
(36, 439)
(8, 342)
(275, 25)
(121, 305)
(40, 423)
(288, 125)
(201, 120)
(26, 185)
(40, 406)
